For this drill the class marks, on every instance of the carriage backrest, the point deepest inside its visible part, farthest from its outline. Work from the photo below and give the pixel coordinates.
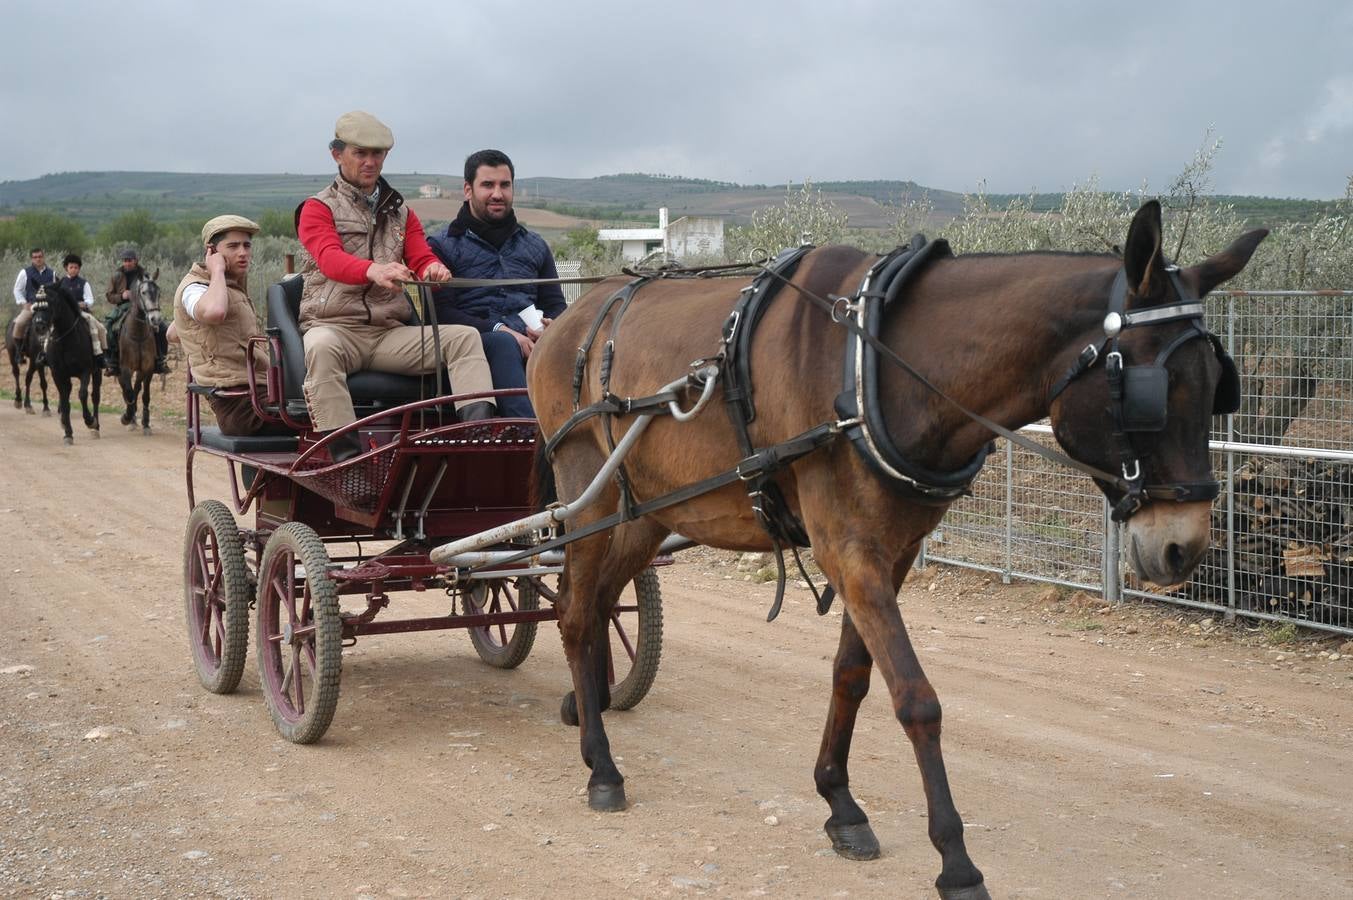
(371, 391)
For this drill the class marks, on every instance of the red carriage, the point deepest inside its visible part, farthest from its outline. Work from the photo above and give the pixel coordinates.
(325, 533)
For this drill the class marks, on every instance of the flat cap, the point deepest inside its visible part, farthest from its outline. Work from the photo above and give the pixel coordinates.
(128, 253)
(227, 223)
(362, 129)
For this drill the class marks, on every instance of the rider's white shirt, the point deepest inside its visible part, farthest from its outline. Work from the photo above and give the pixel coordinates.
(191, 294)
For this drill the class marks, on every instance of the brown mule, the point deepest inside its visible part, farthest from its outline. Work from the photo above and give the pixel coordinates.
(136, 350)
(995, 332)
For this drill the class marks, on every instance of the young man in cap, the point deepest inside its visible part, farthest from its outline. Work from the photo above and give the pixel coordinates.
(78, 287)
(363, 244)
(119, 295)
(214, 319)
(31, 277)
(485, 241)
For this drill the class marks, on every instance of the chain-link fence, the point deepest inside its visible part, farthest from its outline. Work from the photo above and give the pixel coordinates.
(1282, 529)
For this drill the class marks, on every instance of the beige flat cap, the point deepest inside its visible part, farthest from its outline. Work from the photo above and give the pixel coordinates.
(362, 129)
(226, 223)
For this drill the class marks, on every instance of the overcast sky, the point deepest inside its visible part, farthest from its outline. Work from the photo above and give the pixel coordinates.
(1037, 94)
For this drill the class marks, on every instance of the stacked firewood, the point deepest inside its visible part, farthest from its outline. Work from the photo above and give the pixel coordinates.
(1293, 541)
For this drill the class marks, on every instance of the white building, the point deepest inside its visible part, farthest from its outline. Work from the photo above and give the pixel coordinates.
(430, 192)
(686, 237)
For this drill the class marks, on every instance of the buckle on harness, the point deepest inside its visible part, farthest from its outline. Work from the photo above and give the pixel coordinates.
(1136, 473)
(843, 307)
(1089, 356)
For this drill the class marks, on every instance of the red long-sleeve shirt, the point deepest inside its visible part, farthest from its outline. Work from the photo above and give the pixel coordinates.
(319, 236)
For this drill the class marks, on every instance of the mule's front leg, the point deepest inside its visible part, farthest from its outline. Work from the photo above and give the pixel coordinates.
(848, 826)
(124, 380)
(582, 627)
(145, 404)
(873, 604)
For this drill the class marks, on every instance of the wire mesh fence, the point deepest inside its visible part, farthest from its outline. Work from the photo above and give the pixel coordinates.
(1282, 529)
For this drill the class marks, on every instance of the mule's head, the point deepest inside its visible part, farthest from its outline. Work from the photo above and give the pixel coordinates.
(42, 310)
(1143, 410)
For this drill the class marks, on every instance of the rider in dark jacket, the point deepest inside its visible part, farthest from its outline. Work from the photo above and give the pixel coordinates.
(119, 294)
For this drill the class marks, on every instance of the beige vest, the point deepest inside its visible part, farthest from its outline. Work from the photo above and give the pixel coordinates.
(377, 236)
(216, 352)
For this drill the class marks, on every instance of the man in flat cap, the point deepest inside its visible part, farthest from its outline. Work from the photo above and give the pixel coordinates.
(119, 295)
(363, 244)
(214, 319)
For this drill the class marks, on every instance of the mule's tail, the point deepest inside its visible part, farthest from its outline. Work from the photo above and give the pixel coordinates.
(543, 489)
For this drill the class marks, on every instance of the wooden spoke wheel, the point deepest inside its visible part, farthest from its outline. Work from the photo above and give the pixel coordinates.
(503, 646)
(299, 635)
(634, 636)
(216, 596)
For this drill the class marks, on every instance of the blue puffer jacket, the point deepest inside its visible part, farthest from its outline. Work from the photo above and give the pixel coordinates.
(467, 255)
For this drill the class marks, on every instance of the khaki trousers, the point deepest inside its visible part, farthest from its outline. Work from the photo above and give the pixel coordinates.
(332, 351)
(97, 332)
(21, 322)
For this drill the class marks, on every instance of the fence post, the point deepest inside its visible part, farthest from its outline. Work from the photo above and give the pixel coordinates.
(1230, 478)
(1009, 513)
(1113, 588)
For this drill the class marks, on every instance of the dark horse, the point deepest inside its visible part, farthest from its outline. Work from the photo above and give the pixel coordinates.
(994, 332)
(136, 349)
(70, 354)
(31, 347)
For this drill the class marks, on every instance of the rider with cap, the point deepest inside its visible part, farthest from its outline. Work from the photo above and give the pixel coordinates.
(78, 288)
(214, 320)
(31, 278)
(119, 296)
(363, 244)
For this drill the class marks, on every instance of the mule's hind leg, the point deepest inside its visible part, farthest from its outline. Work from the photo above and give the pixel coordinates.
(145, 403)
(124, 380)
(870, 595)
(63, 409)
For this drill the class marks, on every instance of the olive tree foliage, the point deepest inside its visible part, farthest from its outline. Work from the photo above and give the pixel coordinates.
(804, 216)
(51, 231)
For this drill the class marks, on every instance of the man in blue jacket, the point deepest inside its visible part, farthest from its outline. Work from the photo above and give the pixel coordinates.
(485, 241)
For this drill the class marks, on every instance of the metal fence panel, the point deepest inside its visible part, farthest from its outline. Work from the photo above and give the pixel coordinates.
(1282, 530)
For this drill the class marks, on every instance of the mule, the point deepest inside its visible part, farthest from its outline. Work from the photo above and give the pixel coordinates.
(136, 350)
(31, 347)
(997, 333)
(70, 355)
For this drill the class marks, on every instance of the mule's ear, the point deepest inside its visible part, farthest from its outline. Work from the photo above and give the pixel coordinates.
(1224, 266)
(1142, 254)
(156, 276)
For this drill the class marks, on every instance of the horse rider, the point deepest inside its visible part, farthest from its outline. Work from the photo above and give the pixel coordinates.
(80, 289)
(486, 241)
(31, 278)
(362, 244)
(119, 295)
(214, 320)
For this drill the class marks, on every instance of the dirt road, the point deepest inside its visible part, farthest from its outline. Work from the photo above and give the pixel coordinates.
(1094, 753)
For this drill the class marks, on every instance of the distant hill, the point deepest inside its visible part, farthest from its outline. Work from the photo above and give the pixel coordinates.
(94, 198)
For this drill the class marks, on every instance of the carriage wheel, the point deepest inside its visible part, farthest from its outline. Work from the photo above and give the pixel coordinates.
(635, 637)
(216, 594)
(503, 646)
(299, 636)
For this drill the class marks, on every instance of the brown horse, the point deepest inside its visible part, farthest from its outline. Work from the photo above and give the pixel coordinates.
(136, 350)
(994, 332)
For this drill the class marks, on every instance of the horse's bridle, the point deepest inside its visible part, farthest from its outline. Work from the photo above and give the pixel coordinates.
(1139, 395)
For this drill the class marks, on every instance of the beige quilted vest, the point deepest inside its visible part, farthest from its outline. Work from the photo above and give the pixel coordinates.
(216, 352)
(377, 236)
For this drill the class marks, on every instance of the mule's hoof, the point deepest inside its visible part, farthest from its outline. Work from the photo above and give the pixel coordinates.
(127, 420)
(606, 797)
(145, 430)
(568, 710)
(972, 892)
(94, 434)
(68, 440)
(30, 410)
(853, 841)
(46, 412)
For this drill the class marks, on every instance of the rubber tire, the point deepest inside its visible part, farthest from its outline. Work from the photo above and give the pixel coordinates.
(219, 671)
(634, 686)
(308, 725)
(518, 646)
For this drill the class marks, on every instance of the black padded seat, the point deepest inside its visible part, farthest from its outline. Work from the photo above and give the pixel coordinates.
(371, 391)
(247, 443)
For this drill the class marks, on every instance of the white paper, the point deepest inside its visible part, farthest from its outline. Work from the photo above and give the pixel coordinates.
(532, 317)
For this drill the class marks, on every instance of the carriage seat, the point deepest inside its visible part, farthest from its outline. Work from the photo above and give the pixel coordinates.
(247, 443)
(371, 391)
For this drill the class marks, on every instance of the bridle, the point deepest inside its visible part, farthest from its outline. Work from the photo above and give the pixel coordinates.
(1139, 394)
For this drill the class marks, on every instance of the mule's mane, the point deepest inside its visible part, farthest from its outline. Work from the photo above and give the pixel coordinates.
(1081, 254)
